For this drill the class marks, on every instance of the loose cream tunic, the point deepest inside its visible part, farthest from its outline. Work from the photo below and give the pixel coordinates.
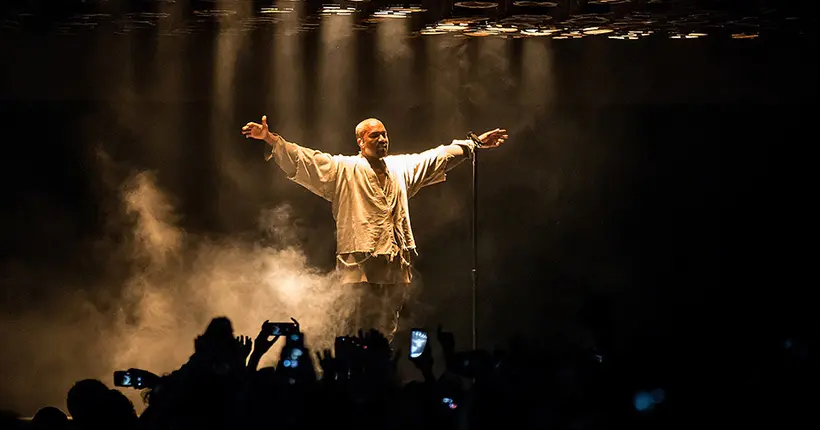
(374, 238)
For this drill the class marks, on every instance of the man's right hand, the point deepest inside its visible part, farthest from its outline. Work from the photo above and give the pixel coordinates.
(258, 131)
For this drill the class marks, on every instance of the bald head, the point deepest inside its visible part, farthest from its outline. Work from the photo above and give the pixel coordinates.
(371, 136)
(365, 125)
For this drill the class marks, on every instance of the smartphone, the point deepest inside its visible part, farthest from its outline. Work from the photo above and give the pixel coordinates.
(292, 357)
(124, 378)
(418, 342)
(282, 328)
(295, 339)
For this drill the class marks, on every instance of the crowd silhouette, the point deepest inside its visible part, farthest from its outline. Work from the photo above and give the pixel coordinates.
(355, 384)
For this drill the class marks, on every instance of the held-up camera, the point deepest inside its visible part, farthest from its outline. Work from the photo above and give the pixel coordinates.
(126, 378)
(281, 328)
(418, 342)
(292, 356)
(449, 402)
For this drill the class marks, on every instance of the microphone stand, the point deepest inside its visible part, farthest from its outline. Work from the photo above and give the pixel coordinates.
(474, 234)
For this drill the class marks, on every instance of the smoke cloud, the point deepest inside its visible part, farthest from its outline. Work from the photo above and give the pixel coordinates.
(184, 281)
(173, 283)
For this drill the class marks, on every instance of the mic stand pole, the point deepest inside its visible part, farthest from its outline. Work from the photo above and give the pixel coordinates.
(474, 234)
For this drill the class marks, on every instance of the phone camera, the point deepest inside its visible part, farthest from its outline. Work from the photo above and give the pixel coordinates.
(449, 402)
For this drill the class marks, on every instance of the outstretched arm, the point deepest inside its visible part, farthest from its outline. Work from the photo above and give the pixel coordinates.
(430, 167)
(461, 150)
(314, 170)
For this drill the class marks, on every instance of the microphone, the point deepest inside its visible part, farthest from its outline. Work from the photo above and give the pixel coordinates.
(475, 139)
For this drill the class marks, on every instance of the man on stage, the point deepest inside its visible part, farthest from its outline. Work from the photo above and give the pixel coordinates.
(369, 194)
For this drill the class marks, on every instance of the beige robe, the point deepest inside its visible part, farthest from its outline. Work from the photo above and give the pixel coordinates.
(374, 239)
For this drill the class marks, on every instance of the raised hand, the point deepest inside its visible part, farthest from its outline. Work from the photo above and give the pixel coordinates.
(328, 364)
(261, 345)
(244, 344)
(263, 341)
(257, 130)
(493, 138)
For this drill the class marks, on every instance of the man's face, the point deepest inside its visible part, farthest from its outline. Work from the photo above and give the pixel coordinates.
(374, 142)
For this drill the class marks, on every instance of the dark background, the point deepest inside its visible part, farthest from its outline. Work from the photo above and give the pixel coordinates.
(651, 198)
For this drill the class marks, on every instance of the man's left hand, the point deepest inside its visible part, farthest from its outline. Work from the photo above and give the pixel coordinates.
(493, 138)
